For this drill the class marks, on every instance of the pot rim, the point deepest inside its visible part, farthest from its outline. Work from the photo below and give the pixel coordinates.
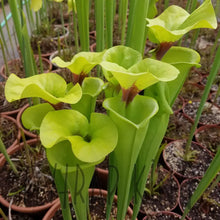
(18, 119)
(92, 191)
(163, 212)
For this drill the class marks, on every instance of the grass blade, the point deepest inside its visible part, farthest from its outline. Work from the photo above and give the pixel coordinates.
(4, 151)
(210, 174)
(215, 45)
(211, 78)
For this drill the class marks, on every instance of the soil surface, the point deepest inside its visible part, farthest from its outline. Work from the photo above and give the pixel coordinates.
(65, 54)
(47, 45)
(103, 164)
(194, 76)
(165, 197)
(99, 108)
(215, 85)
(210, 114)
(178, 104)
(205, 208)
(65, 73)
(209, 137)
(191, 92)
(215, 100)
(55, 14)
(97, 207)
(8, 131)
(16, 67)
(178, 127)
(163, 216)
(172, 155)
(33, 186)
(23, 216)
